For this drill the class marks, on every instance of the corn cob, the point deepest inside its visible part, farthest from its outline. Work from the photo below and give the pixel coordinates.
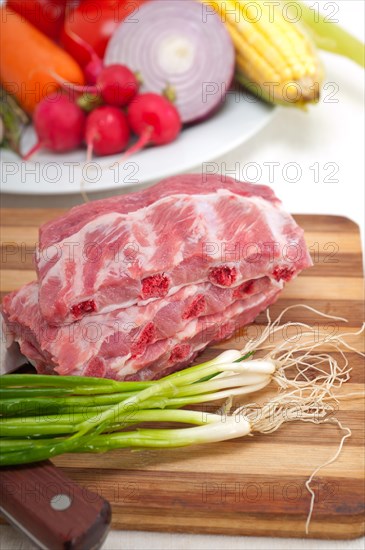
(274, 57)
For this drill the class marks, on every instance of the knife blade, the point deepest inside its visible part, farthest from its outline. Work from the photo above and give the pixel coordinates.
(10, 356)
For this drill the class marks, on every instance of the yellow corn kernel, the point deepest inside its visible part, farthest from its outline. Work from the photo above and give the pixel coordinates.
(271, 51)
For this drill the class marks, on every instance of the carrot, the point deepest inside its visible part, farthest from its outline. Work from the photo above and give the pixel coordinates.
(31, 62)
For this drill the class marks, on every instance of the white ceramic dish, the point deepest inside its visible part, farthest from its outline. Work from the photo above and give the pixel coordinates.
(238, 120)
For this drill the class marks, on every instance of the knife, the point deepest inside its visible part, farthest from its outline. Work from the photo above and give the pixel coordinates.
(41, 501)
(51, 510)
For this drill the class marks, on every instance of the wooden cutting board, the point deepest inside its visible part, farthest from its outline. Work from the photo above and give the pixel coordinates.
(254, 485)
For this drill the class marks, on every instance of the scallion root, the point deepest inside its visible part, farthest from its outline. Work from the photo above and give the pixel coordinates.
(307, 394)
(316, 373)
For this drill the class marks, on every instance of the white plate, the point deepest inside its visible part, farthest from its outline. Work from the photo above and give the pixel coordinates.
(48, 174)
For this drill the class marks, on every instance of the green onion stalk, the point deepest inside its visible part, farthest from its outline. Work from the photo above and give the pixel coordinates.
(43, 416)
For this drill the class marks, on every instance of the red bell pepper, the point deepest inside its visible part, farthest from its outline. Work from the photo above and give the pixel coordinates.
(47, 15)
(94, 21)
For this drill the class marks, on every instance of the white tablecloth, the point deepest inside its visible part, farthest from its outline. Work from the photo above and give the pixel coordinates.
(326, 146)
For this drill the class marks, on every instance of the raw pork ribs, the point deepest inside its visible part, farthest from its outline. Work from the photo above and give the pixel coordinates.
(135, 286)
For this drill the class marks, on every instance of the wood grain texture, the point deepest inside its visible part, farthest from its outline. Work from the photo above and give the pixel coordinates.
(248, 486)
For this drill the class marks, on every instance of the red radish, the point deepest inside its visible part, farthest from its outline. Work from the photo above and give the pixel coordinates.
(59, 124)
(95, 65)
(92, 70)
(107, 131)
(116, 84)
(154, 119)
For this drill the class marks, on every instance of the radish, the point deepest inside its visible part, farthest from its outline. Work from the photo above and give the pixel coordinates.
(95, 65)
(107, 131)
(59, 124)
(154, 119)
(116, 85)
(93, 69)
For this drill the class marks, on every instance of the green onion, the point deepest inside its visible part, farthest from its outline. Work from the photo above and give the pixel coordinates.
(45, 416)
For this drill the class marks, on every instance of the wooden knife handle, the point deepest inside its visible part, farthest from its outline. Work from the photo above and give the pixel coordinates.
(52, 510)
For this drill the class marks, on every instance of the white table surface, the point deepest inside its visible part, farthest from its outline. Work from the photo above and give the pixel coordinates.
(328, 133)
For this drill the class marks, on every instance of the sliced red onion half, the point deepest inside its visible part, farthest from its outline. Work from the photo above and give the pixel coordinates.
(181, 49)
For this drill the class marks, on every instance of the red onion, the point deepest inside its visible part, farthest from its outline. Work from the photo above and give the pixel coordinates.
(179, 49)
